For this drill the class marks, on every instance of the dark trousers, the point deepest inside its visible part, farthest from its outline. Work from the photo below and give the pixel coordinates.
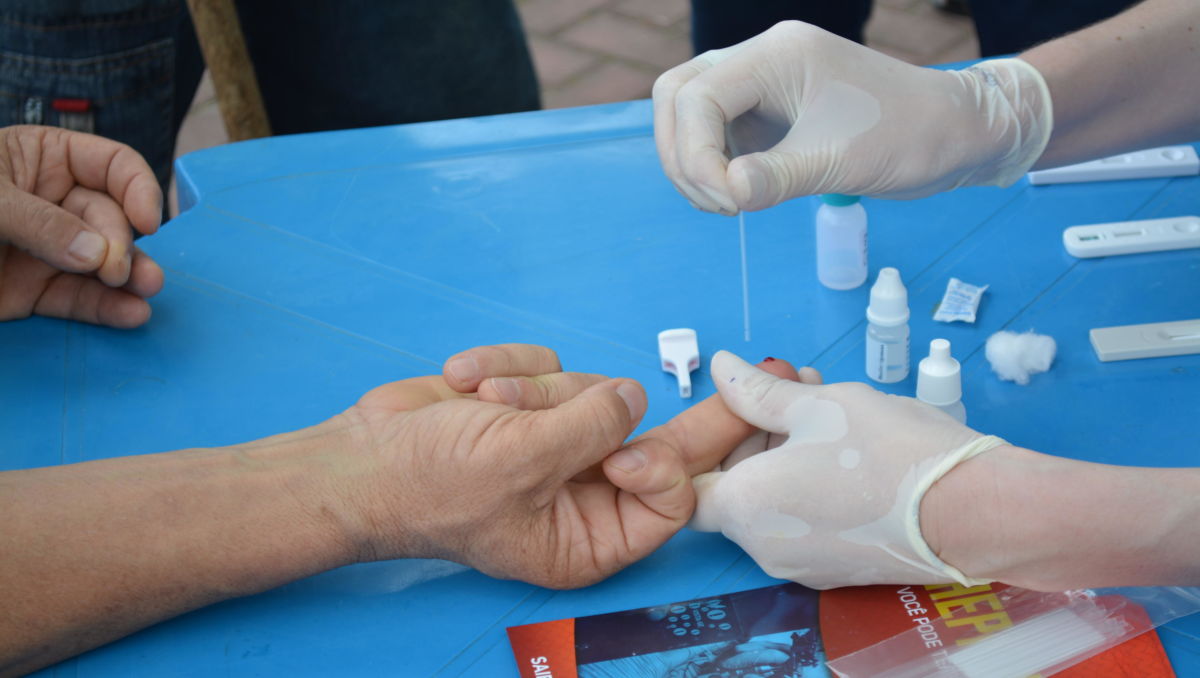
(321, 64)
(1004, 26)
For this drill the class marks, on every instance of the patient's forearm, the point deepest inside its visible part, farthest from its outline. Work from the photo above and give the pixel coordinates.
(92, 552)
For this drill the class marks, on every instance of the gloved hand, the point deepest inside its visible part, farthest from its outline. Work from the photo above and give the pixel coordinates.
(802, 111)
(838, 503)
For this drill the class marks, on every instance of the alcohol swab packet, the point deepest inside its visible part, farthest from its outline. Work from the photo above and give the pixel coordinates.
(680, 354)
(960, 302)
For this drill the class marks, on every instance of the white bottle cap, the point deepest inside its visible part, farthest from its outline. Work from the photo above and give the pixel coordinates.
(939, 377)
(889, 299)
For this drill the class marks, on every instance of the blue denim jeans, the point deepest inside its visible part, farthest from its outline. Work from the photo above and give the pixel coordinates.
(322, 64)
(1004, 26)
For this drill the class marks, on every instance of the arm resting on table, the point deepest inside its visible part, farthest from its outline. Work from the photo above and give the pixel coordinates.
(95, 551)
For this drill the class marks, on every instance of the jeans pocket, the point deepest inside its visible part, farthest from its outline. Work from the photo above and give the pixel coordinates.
(126, 95)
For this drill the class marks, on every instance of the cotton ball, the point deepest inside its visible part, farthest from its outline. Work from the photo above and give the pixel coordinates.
(1016, 356)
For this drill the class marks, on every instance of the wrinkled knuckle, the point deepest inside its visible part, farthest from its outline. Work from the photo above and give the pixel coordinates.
(611, 414)
(547, 392)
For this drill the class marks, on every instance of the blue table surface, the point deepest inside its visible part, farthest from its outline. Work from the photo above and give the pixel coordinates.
(307, 270)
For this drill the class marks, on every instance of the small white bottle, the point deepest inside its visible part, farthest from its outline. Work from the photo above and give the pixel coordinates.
(887, 328)
(841, 242)
(939, 381)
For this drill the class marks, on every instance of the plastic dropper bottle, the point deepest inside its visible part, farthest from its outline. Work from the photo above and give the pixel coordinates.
(841, 242)
(939, 381)
(887, 328)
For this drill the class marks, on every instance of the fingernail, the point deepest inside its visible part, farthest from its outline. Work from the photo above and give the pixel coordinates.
(508, 389)
(463, 369)
(768, 359)
(628, 460)
(632, 395)
(87, 247)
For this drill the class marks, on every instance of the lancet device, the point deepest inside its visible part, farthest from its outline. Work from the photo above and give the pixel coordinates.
(680, 354)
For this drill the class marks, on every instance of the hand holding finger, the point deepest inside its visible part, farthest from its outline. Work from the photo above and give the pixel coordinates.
(656, 489)
(705, 433)
(591, 425)
(760, 440)
(762, 399)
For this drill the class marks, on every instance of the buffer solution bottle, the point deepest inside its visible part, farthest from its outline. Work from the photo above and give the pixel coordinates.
(887, 328)
(939, 381)
(841, 242)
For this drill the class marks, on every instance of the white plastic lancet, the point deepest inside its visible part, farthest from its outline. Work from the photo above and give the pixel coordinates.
(680, 354)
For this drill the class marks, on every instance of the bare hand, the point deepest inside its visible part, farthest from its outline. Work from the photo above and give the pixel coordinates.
(520, 470)
(67, 201)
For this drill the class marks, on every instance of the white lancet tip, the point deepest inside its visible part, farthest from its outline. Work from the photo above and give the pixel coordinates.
(680, 354)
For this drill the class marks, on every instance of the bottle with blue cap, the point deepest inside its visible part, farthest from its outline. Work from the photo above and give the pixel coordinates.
(841, 242)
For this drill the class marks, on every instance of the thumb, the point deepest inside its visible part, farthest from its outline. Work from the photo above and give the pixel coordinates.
(761, 180)
(707, 517)
(590, 426)
(766, 401)
(49, 232)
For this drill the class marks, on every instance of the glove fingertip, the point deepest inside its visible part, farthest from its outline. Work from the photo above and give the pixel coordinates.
(727, 367)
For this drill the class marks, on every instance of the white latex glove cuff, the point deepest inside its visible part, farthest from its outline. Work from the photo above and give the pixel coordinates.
(1015, 104)
(916, 540)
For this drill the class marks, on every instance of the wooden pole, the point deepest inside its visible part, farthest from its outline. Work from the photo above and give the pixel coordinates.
(224, 47)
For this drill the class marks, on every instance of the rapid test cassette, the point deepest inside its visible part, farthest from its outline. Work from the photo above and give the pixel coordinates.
(1132, 237)
(1167, 161)
(1152, 340)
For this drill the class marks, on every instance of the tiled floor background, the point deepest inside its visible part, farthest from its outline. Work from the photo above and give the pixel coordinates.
(596, 51)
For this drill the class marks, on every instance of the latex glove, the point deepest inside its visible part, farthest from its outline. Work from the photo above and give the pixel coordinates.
(809, 112)
(522, 471)
(67, 201)
(838, 503)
